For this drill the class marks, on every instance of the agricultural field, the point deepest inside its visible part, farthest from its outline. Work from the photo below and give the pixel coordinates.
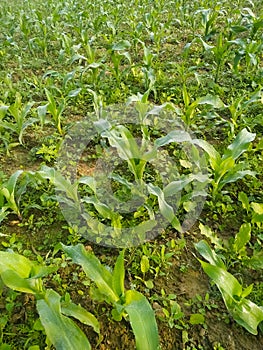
(131, 179)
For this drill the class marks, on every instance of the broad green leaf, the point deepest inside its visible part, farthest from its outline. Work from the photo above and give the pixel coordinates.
(227, 283)
(247, 290)
(14, 281)
(234, 176)
(240, 144)
(122, 139)
(186, 96)
(204, 249)
(60, 182)
(173, 136)
(211, 100)
(223, 167)
(121, 45)
(102, 208)
(248, 315)
(214, 156)
(61, 330)
(242, 197)
(78, 312)
(177, 186)
(11, 183)
(93, 269)
(242, 237)
(89, 181)
(74, 93)
(165, 209)
(142, 320)
(257, 219)
(3, 213)
(118, 275)
(15, 262)
(205, 45)
(257, 207)
(39, 271)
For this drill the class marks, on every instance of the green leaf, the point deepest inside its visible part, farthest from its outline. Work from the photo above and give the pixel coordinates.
(206, 231)
(62, 331)
(204, 249)
(39, 271)
(121, 45)
(236, 175)
(242, 237)
(227, 283)
(13, 280)
(15, 262)
(165, 209)
(93, 269)
(145, 265)
(242, 197)
(118, 275)
(173, 136)
(256, 261)
(214, 156)
(248, 315)
(240, 144)
(78, 312)
(257, 207)
(211, 100)
(142, 320)
(197, 319)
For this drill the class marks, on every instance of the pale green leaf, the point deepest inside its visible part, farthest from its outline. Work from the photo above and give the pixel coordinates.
(242, 237)
(240, 144)
(145, 264)
(118, 275)
(93, 269)
(204, 249)
(248, 315)
(211, 100)
(14, 281)
(61, 330)
(78, 312)
(142, 320)
(257, 207)
(15, 262)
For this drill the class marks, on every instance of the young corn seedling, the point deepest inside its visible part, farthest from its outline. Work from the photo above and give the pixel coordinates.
(126, 303)
(225, 168)
(25, 276)
(118, 53)
(235, 248)
(219, 51)
(19, 112)
(54, 108)
(190, 107)
(137, 158)
(244, 311)
(8, 200)
(209, 17)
